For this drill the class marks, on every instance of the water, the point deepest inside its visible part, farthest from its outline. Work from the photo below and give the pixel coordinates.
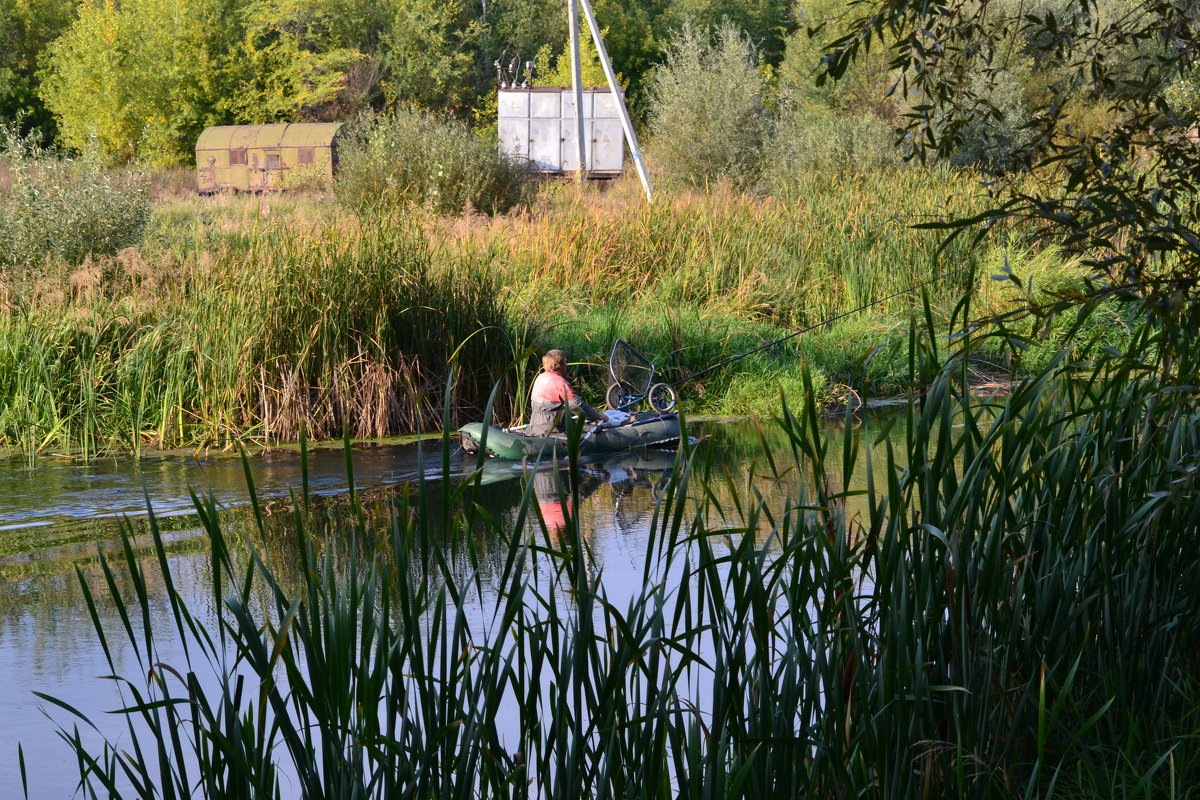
(53, 516)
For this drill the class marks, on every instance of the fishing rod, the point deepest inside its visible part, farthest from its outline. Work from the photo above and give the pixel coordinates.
(831, 320)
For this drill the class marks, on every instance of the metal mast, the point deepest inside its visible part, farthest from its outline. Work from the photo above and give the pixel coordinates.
(577, 85)
(626, 123)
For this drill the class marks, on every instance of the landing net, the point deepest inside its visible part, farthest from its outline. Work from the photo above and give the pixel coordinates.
(630, 368)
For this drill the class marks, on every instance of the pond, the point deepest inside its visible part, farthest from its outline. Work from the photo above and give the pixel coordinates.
(55, 515)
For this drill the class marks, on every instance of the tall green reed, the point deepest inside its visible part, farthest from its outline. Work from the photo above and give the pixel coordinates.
(334, 325)
(1001, 605)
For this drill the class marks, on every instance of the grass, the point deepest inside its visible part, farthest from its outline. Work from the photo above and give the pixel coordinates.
(328, 326)
(245, 318)
(1006, 609)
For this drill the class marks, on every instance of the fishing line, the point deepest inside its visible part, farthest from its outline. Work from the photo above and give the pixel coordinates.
(794, 334)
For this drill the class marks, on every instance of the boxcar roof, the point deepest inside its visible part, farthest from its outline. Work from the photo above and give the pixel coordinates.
(292, 134)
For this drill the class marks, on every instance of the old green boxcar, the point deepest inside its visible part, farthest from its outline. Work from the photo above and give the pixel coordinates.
(262, 158)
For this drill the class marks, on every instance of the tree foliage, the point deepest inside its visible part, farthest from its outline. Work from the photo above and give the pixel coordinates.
(138, 78)
(427, 54)
(765, 23)
(556, 70)
(290, 60)
(710, 119)
(411, 158)
(1120, 187)
(64, 209)
(26, 29)
(134, 79)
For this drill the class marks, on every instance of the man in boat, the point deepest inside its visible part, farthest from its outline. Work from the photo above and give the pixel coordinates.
(552, 397)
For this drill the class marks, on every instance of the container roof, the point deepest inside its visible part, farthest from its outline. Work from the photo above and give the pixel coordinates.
(292, 134)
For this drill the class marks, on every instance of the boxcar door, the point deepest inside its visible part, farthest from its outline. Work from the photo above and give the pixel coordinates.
(272, 174)
(256, 172)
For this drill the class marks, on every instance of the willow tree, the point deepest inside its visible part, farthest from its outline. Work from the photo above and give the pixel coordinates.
(1107, 163)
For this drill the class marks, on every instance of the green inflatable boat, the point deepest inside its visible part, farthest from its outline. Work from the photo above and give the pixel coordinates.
(645, 429)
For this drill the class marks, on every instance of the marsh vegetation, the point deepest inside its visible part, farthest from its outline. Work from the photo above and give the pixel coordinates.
(956, 621)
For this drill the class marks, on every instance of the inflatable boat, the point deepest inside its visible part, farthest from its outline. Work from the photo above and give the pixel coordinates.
(643, 429)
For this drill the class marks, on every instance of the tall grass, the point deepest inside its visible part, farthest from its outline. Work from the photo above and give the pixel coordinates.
(1007, 609)
(335, 326)
(828, 248)
(254, 316)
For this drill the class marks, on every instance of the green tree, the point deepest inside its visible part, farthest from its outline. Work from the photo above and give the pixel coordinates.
(291, 62)
(1120, 192)
(26, 29)
(428, 54)
(862, 90)
(134, 80)
(521, 28)
(709, 119)
(765, 23)
(634, 35)
(555, 70)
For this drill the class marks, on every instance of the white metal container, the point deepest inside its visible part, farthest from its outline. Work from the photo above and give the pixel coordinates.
(537, 125)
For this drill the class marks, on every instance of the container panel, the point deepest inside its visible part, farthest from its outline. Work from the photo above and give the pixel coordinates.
(568, 104)
(605, 106)
(608, 146)
(513, 104)
(545, 144)
(544, 105)
(570, 151)
(514, 137)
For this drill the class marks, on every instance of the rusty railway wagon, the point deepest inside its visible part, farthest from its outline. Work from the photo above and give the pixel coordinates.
(264, 158)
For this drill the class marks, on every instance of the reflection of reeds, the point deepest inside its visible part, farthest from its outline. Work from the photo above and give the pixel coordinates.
(1012, 612)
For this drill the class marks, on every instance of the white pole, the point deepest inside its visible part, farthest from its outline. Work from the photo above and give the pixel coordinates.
(626, 123)
(577, 85)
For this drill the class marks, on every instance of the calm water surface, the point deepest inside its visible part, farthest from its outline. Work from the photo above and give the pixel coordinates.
(54, 516)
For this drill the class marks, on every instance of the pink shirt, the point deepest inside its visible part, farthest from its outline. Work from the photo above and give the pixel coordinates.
(550, 387)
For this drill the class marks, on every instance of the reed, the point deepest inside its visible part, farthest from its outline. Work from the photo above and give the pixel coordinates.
(833, 245)
(1006, 609)
(319, 328)
(248, 317)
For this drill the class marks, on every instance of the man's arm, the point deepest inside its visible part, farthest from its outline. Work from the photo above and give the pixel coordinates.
(576, 404)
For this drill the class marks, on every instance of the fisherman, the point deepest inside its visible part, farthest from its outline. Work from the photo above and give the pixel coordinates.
(552, 395)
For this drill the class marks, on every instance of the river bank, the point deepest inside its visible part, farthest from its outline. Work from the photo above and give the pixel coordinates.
(248, 318)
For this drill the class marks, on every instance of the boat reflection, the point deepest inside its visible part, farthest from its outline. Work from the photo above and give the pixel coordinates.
(626, 475)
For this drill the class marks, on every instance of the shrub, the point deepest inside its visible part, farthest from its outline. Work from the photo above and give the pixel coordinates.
(66, 209)
(814, 140)
(411, 158)
(709, 119)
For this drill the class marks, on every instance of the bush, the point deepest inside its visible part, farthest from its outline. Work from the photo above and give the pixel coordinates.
(709, 119)
(66, 209)
(410, 158)
(814, 140)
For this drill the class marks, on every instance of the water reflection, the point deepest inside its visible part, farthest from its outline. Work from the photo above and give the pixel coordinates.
(54, 517)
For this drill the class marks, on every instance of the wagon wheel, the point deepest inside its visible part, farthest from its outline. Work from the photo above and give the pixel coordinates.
(618, 394)
(662, 397)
